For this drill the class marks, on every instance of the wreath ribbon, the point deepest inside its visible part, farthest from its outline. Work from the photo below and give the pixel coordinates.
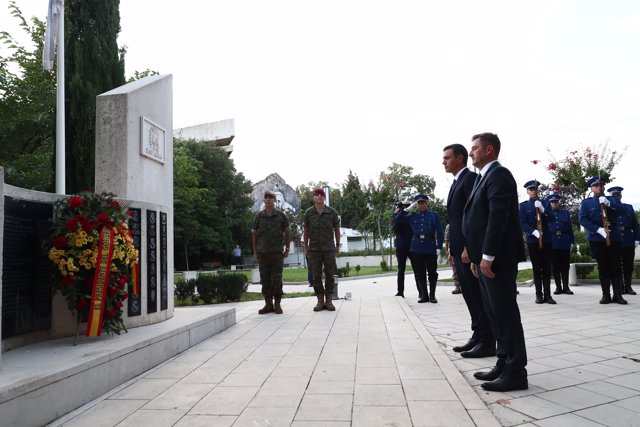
(100, 282)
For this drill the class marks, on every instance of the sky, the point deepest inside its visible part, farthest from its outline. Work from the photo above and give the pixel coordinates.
(319, 89)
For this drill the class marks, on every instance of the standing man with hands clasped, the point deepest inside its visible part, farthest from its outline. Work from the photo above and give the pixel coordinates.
(494, 246)
(482, 342)
(321, 227)
(271, 239)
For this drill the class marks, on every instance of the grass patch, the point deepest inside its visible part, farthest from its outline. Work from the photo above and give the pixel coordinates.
(523, 276)
(248, 296)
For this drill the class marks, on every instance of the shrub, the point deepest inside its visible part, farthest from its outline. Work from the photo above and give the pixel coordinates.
(184, 289)
(206, 284)
(357, 269)
(230, 287)
(384, 266)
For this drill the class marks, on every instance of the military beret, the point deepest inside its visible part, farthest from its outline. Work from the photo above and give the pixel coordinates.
(613, 190)
(595, 180)
(319, 192)
(421, 197)
(532, 184)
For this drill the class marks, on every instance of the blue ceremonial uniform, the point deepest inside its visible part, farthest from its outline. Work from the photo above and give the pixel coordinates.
(608, 256)
(561, 230)
(427, 240)
(540, 257)
(528, 221)
(591, 218)
(627, 224)
(562, 238)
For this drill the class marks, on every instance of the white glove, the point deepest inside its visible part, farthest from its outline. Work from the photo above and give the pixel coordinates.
(604, 200)
(571, 247)
(601, 232)
(538, 204)
(637, 243)
(411, 206)
(536, 234)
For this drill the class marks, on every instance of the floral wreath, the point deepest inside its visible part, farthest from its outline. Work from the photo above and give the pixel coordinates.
(93, 250)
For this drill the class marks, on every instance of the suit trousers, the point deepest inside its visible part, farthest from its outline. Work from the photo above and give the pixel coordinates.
(560, 261)
(326, 259)
(401, 256)
(501, 306)
(473, 298)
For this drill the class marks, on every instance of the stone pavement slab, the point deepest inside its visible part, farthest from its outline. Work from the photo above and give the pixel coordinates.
(383, 360)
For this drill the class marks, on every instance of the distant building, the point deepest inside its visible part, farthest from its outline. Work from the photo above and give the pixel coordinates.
(220, 133)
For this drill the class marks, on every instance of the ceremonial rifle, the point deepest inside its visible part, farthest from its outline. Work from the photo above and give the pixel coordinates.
(605, 223)
(539, 224)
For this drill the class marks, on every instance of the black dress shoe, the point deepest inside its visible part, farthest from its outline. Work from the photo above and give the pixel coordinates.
(480, 350)
(491, 375)
(549, 300)
(558, 291)
(506, 384)
(567, 291)
(466, 347)
(421, 300)
(539, 300)
(433, 299)
(400, 294)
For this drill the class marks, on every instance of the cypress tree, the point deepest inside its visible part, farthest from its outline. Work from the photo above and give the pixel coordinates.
(93, 65)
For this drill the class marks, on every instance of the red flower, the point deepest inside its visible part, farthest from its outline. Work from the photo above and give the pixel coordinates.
(124, 295)
(59, 242)
(103, 217)
(121, 282)
(75, 202)
(81, 303)
(118, 304)
(68, 280)
(115, 204)
(130, 213)
(112, 290)
(552, 166)
(78, 221)
(109, 312)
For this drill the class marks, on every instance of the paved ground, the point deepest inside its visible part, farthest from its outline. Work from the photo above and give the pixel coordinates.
(382, 360)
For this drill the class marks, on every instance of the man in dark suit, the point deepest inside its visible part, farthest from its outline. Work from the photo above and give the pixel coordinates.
(494, 245)
(482, 342)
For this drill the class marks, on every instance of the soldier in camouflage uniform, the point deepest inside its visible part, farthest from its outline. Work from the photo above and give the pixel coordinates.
(270, 235)
(321, 227)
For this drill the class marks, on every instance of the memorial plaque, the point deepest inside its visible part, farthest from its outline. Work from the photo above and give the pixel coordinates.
(163, 261)
(26, 269)
(152, 262)
(134, 307)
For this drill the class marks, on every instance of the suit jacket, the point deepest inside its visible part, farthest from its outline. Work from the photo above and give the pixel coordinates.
(491, 222)
(458, 195)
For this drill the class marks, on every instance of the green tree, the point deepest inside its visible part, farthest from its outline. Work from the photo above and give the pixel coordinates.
(571, 173)
(212, 214)
(27, 109)
(354, 202)
(93, 65)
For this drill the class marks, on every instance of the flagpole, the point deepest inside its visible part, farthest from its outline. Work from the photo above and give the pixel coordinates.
(60, 131)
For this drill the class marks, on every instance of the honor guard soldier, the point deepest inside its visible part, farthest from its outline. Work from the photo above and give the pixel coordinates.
(562, 240)
(402, 242)
(598, 215)
(535, 216)
(428, 237)
(627, 223)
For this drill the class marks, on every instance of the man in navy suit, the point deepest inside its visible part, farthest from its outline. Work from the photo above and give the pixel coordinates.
(482, 342)
(494, 245)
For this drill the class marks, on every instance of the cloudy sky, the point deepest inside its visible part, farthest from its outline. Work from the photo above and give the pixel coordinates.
(317, 89)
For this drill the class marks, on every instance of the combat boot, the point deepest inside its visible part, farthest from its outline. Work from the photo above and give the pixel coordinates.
(432, 289)
(268, 306)
(628, 289)
(539, 298)
(617, 291)
(547, 291)
(276, 306)
(557, 278)
(320, 305)
(328, 304)
(606, 293)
